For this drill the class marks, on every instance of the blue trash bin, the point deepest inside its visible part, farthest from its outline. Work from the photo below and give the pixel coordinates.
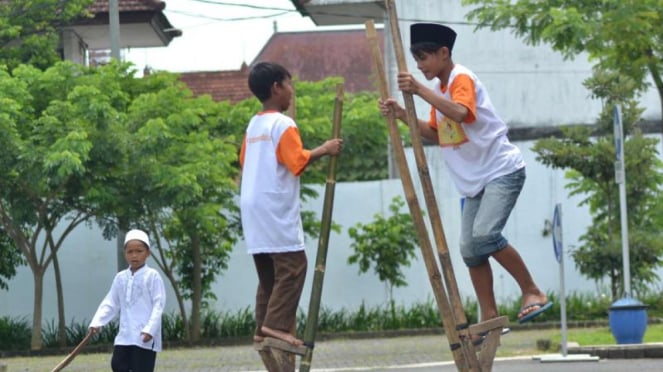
(628, 320)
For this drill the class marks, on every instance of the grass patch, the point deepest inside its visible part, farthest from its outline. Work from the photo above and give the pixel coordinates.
(603, 336)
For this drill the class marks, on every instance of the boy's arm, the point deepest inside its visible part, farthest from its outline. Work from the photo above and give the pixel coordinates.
(242, 153)
(391, 105)
(330, 147)
(291, 152)
(108, 308)
(453, 110)
(157, 292)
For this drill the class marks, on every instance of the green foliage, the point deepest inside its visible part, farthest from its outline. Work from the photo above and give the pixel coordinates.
(29, 30)
(386, 243)
(187, 181)
(580, 307)
(590, 164)
(14, 333)
(228, 324)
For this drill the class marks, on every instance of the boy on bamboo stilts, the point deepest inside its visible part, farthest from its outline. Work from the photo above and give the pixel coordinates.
(272, 158)
(487, 169)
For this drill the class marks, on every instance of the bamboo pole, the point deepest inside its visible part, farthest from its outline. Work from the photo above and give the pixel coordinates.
(415, 210)
(323, 241)
(73, 353)
(429, 195)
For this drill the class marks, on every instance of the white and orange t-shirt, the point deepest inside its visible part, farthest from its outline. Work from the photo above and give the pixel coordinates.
(477, 150)
(272, 158)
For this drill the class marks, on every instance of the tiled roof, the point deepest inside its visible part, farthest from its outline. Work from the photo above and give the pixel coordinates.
(309, 56)
(101, 6)
(316, 55)
(221, 85)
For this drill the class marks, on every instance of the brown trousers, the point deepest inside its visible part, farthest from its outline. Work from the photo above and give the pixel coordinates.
(280, 283)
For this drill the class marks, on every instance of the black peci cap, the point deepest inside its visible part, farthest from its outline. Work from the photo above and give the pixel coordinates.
(432, 33)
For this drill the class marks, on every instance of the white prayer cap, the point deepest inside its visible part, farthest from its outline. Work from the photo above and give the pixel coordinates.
(137, 235)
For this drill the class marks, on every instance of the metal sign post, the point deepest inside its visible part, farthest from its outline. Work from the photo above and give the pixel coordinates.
(558, 246)
(620, 178)
(559, 254)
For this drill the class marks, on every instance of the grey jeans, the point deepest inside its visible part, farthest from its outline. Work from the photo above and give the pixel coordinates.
(485, 215)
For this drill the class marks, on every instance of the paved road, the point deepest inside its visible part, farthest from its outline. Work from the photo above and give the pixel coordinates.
(423, 353)
(526, 364)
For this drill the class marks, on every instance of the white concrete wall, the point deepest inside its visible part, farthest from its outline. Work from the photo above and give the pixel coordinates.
(88, 262)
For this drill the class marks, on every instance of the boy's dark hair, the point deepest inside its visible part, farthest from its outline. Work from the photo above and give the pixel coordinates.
(419, 49)
(263, 75)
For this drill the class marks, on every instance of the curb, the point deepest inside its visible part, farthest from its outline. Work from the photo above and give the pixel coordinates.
(630, 351)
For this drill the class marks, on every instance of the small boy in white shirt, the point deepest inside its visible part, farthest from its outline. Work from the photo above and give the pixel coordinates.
(138, 295)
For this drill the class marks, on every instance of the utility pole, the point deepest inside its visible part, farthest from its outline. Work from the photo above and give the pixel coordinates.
(114, 22)
(114, 25)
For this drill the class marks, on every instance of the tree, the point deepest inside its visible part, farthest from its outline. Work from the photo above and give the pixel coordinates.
(48, 122)
(185, 165)
(590, 156)
(621, 36)
(30, 30)
(387, 244)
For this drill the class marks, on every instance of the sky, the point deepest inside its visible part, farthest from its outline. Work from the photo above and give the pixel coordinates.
(217, 34)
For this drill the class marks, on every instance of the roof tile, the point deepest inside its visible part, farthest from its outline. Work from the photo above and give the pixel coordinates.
(309, 56)
(221, 85)
(101, 6)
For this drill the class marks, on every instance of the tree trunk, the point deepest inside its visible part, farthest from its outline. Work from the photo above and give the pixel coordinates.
(196, 290)
(656, 76)
(62, 329)
(180, 303)
(38, 276)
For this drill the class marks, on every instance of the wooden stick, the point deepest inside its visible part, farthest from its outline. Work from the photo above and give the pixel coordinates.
(415, 210)
(429, 195)
(323, 241)
(74, 352)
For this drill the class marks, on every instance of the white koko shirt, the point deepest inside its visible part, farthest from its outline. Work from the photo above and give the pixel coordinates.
(139, 299)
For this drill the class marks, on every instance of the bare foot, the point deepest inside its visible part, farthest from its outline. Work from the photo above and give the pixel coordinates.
(285, 336)
(258, 339)
(531, 299)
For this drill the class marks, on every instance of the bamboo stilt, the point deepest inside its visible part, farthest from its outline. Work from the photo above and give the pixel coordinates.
(323, 242)
(65, 362)
(278, 355)
(415, 210)
(460, 323)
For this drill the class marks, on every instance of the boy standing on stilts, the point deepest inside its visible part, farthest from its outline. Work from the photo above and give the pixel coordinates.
(487, 169)
(272, 158)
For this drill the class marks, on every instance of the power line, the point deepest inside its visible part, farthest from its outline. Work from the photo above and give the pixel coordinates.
(309, 13)
(248, 18)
